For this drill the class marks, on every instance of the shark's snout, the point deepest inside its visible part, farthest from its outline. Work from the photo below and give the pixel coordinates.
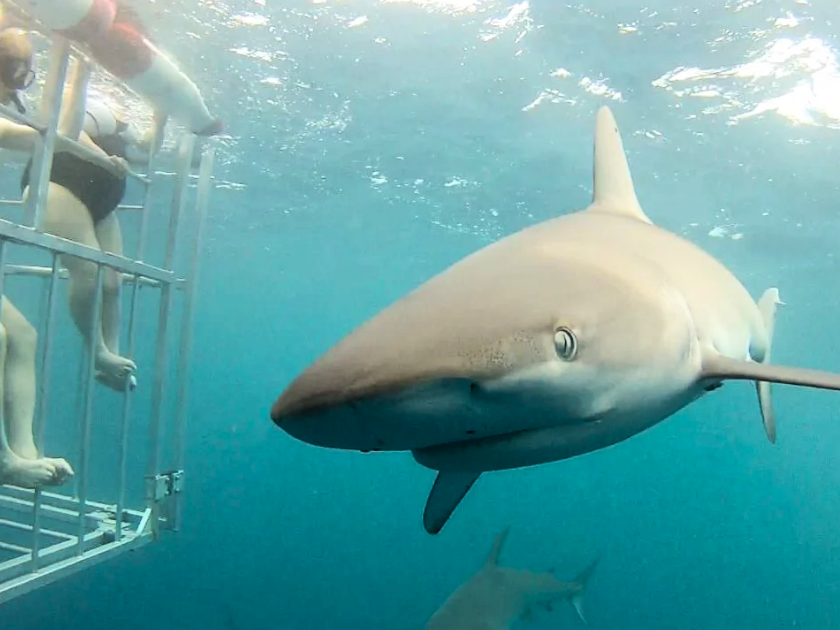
(302, 398)
(277, 412)
(330, 427)
(317, 408)
(283, 409)
(392, 419)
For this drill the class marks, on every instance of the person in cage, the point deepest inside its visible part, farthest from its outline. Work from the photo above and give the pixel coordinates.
(80, 203)
(20, 462)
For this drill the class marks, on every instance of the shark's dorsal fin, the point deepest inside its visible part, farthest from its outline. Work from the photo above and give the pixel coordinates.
(495, 552)
(612, 182)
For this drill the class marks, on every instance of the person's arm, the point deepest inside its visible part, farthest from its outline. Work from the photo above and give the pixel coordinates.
(17, 137)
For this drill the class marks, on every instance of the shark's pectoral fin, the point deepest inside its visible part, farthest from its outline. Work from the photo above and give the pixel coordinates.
(768, 418)
(449, 489)
(767, 307)
(718, 367)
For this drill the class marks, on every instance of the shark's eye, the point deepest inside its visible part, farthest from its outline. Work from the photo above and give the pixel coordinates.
(565, 343)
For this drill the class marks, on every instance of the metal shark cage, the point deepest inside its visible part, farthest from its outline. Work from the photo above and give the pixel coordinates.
(47, 534)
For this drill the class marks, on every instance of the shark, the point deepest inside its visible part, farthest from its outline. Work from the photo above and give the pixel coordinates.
(496, 596)
(569, 336)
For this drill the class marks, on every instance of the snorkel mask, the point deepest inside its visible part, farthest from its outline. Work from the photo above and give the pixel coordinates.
(15, 64)
(16, 74)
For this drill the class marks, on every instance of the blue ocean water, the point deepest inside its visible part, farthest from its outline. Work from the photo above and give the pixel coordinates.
(371, 144)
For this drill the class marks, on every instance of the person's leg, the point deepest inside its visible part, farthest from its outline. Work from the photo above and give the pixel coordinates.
(109, 235)
(20, 346)
(68, 217)
(110, 240)
(20, 464)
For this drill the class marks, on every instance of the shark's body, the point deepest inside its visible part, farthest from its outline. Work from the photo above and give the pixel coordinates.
(564, 338)
(496, 596)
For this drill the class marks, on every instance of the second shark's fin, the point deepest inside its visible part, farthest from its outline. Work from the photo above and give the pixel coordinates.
(582, 581)
(493, 558)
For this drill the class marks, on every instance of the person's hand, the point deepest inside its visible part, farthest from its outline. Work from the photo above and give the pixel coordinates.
(119, 164)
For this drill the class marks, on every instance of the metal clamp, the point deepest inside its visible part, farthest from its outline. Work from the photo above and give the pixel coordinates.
(164, 484)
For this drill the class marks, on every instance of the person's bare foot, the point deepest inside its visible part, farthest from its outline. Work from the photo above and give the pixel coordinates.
(31, 473)
(113, 370)
(116, 383)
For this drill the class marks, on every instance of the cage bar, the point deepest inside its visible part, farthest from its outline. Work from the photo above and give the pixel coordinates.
(43, 389)
(205, 171)
(50, 106)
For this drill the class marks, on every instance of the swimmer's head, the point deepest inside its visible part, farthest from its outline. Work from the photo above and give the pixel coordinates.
(16, 59)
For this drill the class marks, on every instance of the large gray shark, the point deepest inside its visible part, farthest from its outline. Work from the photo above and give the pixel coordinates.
(564, 338)
(496, 596)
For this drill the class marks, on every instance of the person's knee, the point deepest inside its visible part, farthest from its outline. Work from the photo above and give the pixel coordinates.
(82, 271)
(111, 283)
